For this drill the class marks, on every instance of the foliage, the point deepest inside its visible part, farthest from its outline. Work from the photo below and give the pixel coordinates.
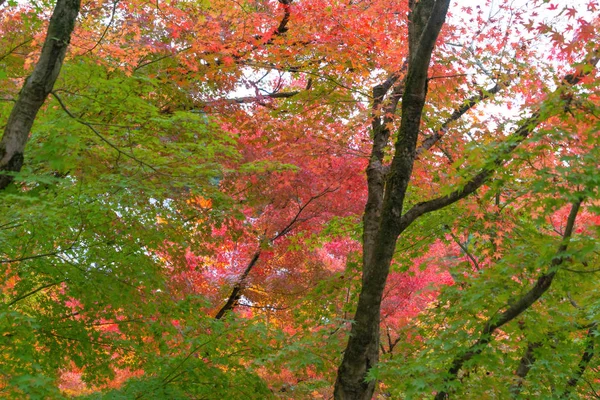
(189, 221)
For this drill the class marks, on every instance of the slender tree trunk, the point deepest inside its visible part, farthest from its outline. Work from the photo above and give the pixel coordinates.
(380, 235)
(362, 351)
(36, 88)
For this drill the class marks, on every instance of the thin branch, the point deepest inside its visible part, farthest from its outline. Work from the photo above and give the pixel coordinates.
(468, 104)
(112, 17)
(296, 217)
(9, 52)
(32, 257)
(236, 292)
(272, 308)
(478, 180)
(595, 394)
(252, 99)
(10, 225)
(33, 292)
(158, 59)
(516, 138)
(108, 344)
(464, 248)
(583, 363)
(98, 134)
(592, 271)
(192, 352)
(278, 31)
(56, 253)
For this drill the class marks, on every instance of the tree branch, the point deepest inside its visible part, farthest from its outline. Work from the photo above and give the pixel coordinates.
(515, 309)
(252, 99)
(103, 35)
(464, 248)
(468, 104)
(362, 351)
(516, 138)
(236, 292)
(239, 286)
(583, 363)
(36, 88)
(524, 367)
(577, 271)
(380, 126)
(22, 297)
(282, 27)
(99, 135)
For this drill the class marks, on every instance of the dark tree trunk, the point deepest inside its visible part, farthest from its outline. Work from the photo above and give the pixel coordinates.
(36, 88)
(236, 292)
(383, 225)
(383, 220)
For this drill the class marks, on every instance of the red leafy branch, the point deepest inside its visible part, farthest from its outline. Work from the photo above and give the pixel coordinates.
(236, 292)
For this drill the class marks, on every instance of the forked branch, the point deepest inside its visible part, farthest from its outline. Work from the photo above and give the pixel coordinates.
(236, 292)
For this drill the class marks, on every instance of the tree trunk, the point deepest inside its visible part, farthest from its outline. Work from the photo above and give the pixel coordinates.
(379, 237)
(36, 88)
(236, 293)
(362, 351)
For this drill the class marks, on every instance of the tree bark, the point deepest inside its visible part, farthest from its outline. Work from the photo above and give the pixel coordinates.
(376, 173)
(36, 88)
(362, 351)
(383, 221)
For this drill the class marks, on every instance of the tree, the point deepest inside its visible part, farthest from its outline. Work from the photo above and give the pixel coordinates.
(384, 220)
(383, 214)
(191, 216)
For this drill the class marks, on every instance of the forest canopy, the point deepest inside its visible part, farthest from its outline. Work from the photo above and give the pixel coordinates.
(299, 199)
